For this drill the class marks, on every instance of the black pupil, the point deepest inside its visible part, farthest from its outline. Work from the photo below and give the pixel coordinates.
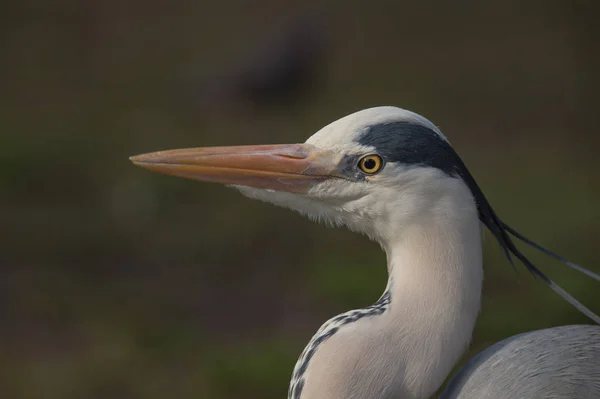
(370, 164)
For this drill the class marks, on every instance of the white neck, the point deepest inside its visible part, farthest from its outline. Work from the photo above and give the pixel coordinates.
(435, 279)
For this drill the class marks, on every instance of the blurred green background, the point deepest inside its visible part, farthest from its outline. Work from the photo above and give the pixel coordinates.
(119, 283)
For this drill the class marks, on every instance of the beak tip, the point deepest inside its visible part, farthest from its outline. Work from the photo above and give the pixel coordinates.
(136, 159)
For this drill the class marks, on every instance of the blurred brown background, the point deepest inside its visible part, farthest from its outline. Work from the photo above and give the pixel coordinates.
(118, 283)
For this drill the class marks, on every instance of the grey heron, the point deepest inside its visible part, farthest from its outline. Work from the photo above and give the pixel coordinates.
(391, 174)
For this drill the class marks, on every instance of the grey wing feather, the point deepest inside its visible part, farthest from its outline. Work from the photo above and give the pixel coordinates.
(561, 362)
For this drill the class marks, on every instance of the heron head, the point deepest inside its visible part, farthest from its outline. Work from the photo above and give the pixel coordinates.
(364, 171)
(376, 171)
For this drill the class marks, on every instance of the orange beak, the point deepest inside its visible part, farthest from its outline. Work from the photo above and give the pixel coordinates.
(286, 167)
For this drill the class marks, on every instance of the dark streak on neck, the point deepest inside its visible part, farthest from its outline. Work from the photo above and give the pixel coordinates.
(329, 329)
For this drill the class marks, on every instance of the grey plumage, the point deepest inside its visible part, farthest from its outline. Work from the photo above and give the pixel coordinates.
(561, 362)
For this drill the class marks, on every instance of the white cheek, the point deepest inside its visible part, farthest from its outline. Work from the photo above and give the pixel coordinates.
(336, 192)
(314, 209)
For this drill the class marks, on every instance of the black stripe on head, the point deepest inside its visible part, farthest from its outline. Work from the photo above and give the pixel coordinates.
(414, 144)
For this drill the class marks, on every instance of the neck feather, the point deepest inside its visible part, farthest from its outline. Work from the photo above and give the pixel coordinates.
(435, 279)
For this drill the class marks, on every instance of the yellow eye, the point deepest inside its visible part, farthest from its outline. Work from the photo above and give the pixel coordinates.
(370, 164)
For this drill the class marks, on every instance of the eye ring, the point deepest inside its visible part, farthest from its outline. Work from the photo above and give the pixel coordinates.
(370, 164)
